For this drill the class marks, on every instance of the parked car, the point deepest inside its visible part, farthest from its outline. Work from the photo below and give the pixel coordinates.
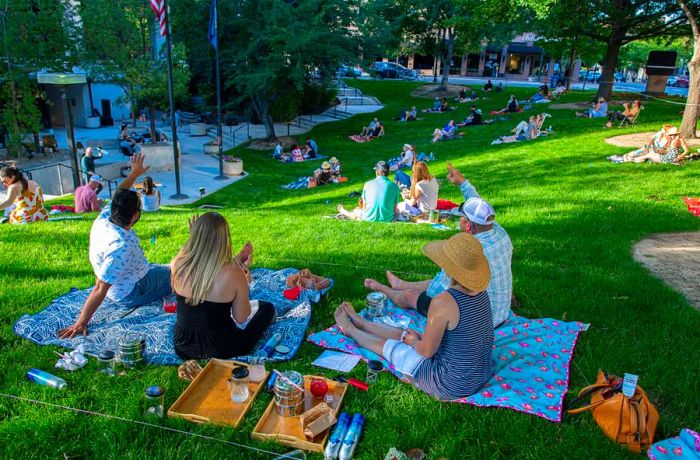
(620, 76)
(393, 70)
(671, 81)
(682, 82)
(349, 71)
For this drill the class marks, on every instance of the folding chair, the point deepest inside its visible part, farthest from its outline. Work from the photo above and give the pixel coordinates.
(632, 121)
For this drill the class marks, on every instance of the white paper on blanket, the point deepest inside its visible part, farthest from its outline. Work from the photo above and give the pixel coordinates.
(73, 360)
(254, 305)
(337, 361)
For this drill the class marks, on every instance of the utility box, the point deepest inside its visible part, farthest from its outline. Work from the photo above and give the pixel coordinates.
(660, 65)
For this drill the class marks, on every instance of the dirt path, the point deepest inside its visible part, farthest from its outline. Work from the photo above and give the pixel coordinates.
(675, 258)
(581, 105)
(430, 91)
(640, 140)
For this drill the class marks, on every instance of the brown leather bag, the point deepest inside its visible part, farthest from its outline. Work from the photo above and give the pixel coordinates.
(627, 421)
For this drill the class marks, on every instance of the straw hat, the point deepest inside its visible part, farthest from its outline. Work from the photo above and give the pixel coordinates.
(333, 160)
(463, 259)
(673, 131)
(325, 166)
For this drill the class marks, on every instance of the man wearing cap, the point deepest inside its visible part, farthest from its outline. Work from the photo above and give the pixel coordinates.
(122, 272)
(85, 196)
(478, 218)
(379, 198)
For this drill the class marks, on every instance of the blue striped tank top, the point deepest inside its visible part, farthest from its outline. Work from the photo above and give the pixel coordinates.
(462, 363)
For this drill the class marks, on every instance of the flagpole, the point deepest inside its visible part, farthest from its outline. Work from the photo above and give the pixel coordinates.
(171, 96)
(219, 131)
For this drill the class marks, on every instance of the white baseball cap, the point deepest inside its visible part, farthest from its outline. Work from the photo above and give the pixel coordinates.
(479, 211)
(96, 178)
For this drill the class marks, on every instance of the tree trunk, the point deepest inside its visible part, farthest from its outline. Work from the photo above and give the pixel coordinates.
(605, 86)
(262, 108)
(152, 120)
(570, 73)
(450, 42)
(691, 112)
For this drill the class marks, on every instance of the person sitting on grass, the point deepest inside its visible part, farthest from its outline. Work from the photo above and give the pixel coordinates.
(525, 131)
(541, 96)
(370, 128)
(599, 110)
(473, 119)
(24, 200)
(122, 272)
(675, 153)
(323, 176)
(406, 159)
(85, 196)
(559, 90)
(478, 219)
(87, 163)
(215, 318)
(150, 195)
(378, 131)
(379, 199)
(422, 197)
(462, 96)
(447, 132)
(296, 153)
(278, 152)
(511, 107)
(439, 106)
(488, 86)
(410, 115)
(452, 358)
(630, 111)
(311, 148)
(336, 167)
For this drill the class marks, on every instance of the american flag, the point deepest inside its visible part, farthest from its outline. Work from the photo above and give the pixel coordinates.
(158, 7)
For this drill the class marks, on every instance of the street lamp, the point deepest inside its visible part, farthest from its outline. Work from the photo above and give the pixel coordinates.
(63, 80)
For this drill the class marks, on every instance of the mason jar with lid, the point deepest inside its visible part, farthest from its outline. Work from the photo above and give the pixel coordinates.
(153, 405)
(239, 384)
(289, 399)
(105, 362)
(132, 350)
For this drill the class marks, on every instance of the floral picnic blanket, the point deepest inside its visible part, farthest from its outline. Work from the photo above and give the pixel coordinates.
(531, 360)
(112, 320)
(683, 447)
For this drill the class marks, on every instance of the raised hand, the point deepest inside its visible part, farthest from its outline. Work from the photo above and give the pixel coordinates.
(137, 166)
(453, 175)
(191, 221)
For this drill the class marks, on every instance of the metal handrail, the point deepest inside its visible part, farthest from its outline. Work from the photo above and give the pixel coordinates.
(233, 132)
(29, 171)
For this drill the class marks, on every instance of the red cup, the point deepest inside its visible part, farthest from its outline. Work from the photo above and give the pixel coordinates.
(319, 388)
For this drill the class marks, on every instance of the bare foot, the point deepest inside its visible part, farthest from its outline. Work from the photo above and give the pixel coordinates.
(373, 284)
(394, 281)
(352, 314)
(342, 320)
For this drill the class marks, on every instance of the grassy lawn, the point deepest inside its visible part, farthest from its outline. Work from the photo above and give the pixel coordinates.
(572, 216)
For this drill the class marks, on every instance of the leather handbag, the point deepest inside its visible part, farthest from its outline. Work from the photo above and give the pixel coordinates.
(627, 421)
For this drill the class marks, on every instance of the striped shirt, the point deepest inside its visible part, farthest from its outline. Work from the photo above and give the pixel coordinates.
(462, 363)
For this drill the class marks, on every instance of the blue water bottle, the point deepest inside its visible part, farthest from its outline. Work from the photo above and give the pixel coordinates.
(271, 344)
(46, 379)
(336, 439)
(352, 437)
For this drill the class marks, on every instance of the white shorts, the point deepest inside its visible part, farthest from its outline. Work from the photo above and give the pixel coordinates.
(403, 357)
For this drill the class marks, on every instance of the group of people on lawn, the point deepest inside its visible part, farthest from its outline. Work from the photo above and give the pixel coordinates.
(216, 318)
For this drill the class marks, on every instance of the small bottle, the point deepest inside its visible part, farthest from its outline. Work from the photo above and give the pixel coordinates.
(46, 379)
(153, 402)
(105, 361)
(374, 367)
(336, 438)
(352, 437)
(239, 384)
(271, 344)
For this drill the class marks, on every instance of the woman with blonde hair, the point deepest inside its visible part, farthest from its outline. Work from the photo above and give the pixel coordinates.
(423, 195)
(215, 318)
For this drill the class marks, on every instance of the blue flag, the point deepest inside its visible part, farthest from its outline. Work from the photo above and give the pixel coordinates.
(213, 33)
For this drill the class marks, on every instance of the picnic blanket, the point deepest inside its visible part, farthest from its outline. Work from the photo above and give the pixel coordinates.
(317, 157)
(112, 320)
(683, 447)
(693, 205)
(531, 360)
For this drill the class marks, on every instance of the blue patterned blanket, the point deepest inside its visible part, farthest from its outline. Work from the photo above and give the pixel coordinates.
(112, 320)
(531, 360)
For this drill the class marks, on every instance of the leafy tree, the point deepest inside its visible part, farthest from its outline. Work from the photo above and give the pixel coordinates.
(692, 105)
(635, 54)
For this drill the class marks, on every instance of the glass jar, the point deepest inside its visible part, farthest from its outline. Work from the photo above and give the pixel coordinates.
(239, 384)
(374, 367)
(153, 402)
(257, 367)
(376, 302)
(105, 362)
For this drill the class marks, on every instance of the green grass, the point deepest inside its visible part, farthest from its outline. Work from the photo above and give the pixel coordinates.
(573, 218)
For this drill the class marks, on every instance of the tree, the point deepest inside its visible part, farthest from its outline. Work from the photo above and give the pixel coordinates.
(691, 112)
(612, 22)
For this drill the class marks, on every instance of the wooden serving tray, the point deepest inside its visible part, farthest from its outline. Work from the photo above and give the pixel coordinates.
(208, 397)
(287, 430)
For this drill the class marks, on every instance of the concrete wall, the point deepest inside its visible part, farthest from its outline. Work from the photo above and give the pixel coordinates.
(80, 102)
(112, 92)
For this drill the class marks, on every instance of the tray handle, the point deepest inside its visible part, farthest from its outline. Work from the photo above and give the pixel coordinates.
(195, 418)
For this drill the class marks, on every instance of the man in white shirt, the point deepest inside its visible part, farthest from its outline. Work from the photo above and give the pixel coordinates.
(122, 272)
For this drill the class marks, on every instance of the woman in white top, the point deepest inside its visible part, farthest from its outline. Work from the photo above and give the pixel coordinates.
(423, 194)
(150, 196)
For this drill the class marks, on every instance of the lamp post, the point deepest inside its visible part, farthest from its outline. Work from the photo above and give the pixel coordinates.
(63, 80)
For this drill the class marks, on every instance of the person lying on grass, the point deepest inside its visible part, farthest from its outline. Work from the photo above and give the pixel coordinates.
(658, 144)
(541, 96)
(630, 111)
(379, 199)
(422, 196)
(676, 152)
(452, 358)
(599, 110)
(524, 131)
(361, 138)
(473, 119)
(447, 132)
(215, 318)
(478, 219)
(122, 272)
